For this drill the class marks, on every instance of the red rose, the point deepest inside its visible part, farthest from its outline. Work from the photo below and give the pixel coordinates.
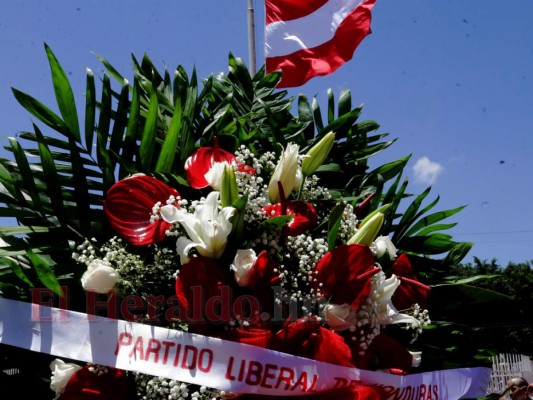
(128, 206)
(344, 274)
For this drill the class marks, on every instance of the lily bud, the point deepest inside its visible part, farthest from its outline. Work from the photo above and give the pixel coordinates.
(383, 209)
(229, 191)
(368, 232)
(285, 173)
(317, 155)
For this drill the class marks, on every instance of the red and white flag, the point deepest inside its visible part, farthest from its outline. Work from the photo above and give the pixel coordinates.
(308, 38)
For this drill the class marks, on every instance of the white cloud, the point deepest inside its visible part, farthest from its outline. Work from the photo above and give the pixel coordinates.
(426, 171)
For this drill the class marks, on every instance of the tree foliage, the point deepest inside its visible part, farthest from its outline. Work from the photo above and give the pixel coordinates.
(512, 327)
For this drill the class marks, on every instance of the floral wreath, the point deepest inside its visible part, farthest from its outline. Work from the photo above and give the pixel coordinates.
(252, 206)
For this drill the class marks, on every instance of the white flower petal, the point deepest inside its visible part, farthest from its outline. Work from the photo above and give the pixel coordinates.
(210, 207)
(61, 373)
(169, 213)
(242, 265)
(183, 247)
(100, 277)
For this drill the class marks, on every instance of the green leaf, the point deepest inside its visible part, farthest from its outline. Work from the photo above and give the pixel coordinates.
(317, 116)
(435, 228)
(22, 230)
(112, 71)
(129, 150)
(472, 279)
(329, 168)
(331, 106)
(90, 110)
(45, 273)
(410, 215)
(120, 121)
(187, 138)
(457, 253)
(25, 172)
(335, 218)
(433, 244)
(431, 219)
(81, 187)
(53, 186)
(306, 115)
(105, 107)
(170, 145)
(345, 102)
(146, 149)
(41, 112)
(276, 223)
(64, 95)
(390, 170)
(105, 163)
(18, 271)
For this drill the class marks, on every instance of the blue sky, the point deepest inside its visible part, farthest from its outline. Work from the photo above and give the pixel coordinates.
(451, 80)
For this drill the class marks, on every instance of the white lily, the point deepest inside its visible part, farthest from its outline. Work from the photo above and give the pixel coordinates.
(208, 228)
(382, 290)
(285, 172)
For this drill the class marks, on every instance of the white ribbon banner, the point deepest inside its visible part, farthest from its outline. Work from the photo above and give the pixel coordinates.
(212, 362)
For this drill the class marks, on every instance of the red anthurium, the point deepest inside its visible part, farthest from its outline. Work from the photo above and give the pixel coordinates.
(263, 272)
(344, 274)
(410, 291)
(305, 216)
(90, 385)
(128, 206)
(203, 293)
(202, 160)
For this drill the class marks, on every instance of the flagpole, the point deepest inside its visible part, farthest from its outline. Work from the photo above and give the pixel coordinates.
(251, 37)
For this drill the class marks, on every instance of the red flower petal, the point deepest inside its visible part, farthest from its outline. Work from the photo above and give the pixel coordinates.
(87, 385)
(262, 278)
(201, 162)
(305, 216)
(384, 352)
(345, 274)
(128, 206)
(410, 291)
(199, 286)
(263, 273)
(306, 338)
(355, 392)
(252, 336)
